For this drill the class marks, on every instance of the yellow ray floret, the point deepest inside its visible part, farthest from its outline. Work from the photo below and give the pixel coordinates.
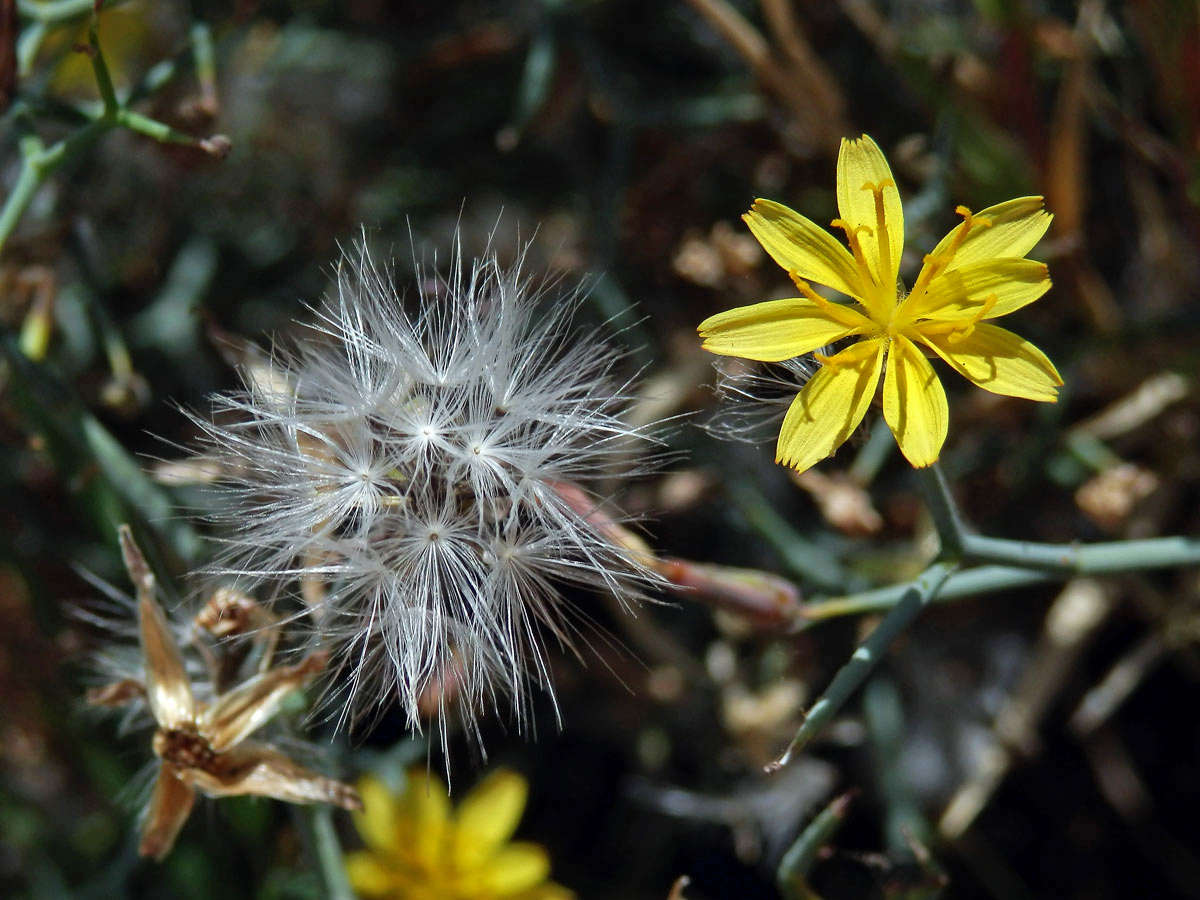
(976, 273)
(419, 847)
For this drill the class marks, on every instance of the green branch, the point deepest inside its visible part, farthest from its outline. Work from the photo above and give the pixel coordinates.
(39, 162)
(1006, 564)
(317, 823)
(1070, 560)
(952, 532)
(916, 596)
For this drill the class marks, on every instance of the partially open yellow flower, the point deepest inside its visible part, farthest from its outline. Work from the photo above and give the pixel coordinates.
(419, 848)
(976, 273)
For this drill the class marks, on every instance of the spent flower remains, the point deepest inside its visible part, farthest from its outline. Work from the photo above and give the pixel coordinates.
(976, 273)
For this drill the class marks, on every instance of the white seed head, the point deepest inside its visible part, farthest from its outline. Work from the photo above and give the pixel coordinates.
(412, 461)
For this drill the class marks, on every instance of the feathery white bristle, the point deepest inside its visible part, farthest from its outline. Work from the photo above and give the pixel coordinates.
(408, 460)
(754, 397)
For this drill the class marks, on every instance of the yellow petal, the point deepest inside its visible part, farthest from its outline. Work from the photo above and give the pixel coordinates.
(516, 868)
(999, 361)
(914, 403)
(550, 891)
(369, 877)
(413, 824)
(802, 247)
(830, 407)
(425, 800)
(488, 815)
(1017, 226)
(779, 329)
(861, 163)
(377, 823)
(958, 294)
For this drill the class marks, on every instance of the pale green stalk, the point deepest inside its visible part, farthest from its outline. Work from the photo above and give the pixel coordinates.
(39, 162)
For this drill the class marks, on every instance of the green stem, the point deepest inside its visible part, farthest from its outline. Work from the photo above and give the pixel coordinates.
(104, 81)
(800, 857)
(152, 128)
(1053, 558)
(958, 543)
(327, 850)
(952, 532)
(1085, 559)
(38, 163)
(28, 181)
(206, 65)
(916, 596)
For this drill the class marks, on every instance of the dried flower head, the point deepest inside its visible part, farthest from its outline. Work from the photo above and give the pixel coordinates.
(414, 473)
(202, 731)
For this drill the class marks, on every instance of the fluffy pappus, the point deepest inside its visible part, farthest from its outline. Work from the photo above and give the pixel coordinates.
(413, 470)
(753, 397)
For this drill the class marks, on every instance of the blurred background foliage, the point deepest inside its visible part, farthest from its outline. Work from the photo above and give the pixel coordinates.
(1041, 743)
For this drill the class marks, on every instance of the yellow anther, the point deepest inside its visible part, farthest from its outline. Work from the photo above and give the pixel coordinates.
(935, 265)
(988, 305)
(969, 223)
(964, 330)
(961, 333)
(881, 227)
(831, 361)
(853, 354)
(931, 267)
(806, 290)
(852, 233)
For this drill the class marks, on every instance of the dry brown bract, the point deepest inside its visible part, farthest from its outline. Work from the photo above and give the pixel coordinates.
(204, 746)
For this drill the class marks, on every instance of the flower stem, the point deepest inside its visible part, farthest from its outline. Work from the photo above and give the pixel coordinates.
(1052, 558)
(916, 596)
(104, 81)
(1069, 559)
(327, 850)
(952, 532)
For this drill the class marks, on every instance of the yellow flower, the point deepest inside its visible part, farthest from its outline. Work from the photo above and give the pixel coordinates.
(421, 849)
(976, 273)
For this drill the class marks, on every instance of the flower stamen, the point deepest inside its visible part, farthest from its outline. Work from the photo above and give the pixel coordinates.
(881, 229)
(964, 329)
(871, 287)
(853, 354)
(936, 264)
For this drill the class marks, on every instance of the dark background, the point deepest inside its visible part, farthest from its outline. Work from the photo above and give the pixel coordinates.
(630, 136)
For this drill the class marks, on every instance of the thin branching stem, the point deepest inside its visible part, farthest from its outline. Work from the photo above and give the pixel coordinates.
(326, 851)
(104, 82)
(952, 532)
(39, 162)
(804, 852)
(917, 595)
(1085, 559)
